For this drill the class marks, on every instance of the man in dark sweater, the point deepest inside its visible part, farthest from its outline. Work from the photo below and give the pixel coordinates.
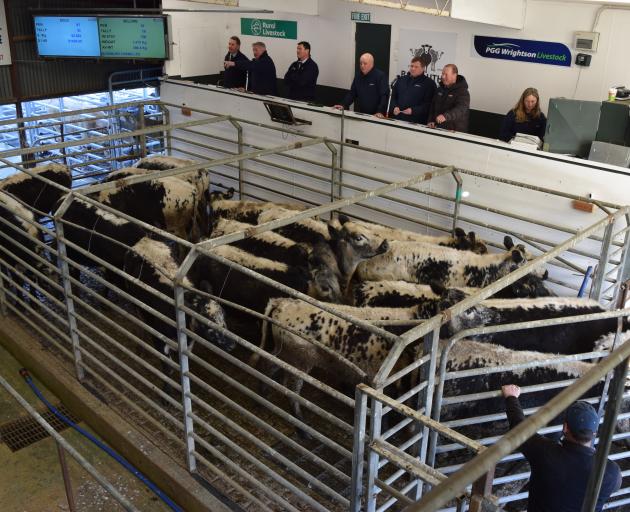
(451, 102)
(560, 470)
(301, 77)
(234, 76)
(262, 71)
(369, 90)
(412, 94)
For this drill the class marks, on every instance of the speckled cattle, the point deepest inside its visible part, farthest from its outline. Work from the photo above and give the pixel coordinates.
(569, 338)
(151, 262)
(199, 178)
(425, 263)
(168, 203)
(309, 231)
(468, 354)
(35, 192)
(248, 211)
(18, 231)
(267, 244)
(461, 240)
(229, 283)
(366, 351)
(94, 230)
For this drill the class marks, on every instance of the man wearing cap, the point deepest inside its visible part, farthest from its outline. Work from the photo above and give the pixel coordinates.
(560, 470)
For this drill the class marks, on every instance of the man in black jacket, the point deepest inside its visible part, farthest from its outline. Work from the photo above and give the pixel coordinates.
(412, 94)
(451, 102)
(301, 78)
(262, 71)
(234, 76)
(560, 470)
(369, 90)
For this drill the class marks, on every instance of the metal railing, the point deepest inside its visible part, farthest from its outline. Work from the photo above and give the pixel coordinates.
(64, 447)
(205, 405)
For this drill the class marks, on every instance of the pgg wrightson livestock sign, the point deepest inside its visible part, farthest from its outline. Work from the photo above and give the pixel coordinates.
(541, 52)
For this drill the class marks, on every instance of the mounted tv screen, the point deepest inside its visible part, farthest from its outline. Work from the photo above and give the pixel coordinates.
(104, 37)
(67, 36)
(132, 38)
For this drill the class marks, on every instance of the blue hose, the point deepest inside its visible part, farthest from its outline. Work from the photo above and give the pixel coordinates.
(587, 276)
(127, 465)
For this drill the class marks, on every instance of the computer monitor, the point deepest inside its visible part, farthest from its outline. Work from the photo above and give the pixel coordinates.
(281, 113)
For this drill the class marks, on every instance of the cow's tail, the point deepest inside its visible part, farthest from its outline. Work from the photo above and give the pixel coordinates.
(253, 360)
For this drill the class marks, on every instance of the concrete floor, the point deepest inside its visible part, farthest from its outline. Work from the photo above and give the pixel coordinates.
(30, 479)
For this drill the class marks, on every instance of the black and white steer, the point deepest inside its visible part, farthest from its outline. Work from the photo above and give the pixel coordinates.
(460, 240)
(35, 192)
(151, 262)
(566, 338)
(425, 263)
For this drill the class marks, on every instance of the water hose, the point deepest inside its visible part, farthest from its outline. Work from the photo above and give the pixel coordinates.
(121, 460)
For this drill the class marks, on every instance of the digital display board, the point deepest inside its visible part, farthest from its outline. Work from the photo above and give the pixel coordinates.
(67, 36)
(132, 38)
(106, 37)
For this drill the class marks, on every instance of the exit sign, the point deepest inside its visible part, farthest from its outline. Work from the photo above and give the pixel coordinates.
(360, 16)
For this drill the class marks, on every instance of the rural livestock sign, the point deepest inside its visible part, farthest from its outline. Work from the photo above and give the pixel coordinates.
(5, 51)
(258, 27)
(541, 52)
(435, 49)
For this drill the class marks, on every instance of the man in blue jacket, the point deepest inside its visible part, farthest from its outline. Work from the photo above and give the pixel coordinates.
(262, 71)
(369, 90)
(301, 78)
(234, 76)
(560, 470)
(412, 94)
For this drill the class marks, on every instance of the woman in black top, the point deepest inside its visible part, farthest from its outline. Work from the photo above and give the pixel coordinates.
(525, 117)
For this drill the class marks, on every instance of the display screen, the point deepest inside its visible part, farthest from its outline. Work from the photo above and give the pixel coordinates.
(132, 38)
(107, 37)
(67, 36)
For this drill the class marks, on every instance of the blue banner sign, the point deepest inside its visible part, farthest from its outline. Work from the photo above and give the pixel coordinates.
(541, 52)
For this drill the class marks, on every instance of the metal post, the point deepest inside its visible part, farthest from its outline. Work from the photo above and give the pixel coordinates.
(62, 263)
(341, 137)
(3, 295)
(358, 451)
(335, 174)
(598, 280)
(427, 372)
(481, 489)
(143, 137)
(458, 198)
(239, 136)
(182, 343)
(66, 478)
(375, 432)
(608, 429)
(166, 116)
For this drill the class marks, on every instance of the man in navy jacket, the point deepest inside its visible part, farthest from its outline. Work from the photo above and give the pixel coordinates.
(262, 71)
(560, 470)
(234, 76)
(369, 90)
(412, 94)
(301, 78)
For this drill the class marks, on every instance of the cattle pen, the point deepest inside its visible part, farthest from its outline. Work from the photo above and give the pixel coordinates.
(229, 421)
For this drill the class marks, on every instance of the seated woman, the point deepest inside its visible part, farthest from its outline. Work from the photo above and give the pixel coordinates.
(525, 117)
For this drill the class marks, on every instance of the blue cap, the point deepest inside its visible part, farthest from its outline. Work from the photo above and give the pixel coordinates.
(582, 419)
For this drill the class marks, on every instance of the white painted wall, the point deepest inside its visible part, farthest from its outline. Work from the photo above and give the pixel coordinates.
(495, 85)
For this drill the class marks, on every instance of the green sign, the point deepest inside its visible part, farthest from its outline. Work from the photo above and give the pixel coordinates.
(360, 16)
(269, 28)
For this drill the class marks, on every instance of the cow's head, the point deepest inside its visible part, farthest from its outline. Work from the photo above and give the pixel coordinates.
(353, 244)
(468, 242)
(474, 316)
(212, 310)
(324, 275)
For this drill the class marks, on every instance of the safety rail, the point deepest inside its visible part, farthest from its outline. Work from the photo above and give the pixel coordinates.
(64, 447)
